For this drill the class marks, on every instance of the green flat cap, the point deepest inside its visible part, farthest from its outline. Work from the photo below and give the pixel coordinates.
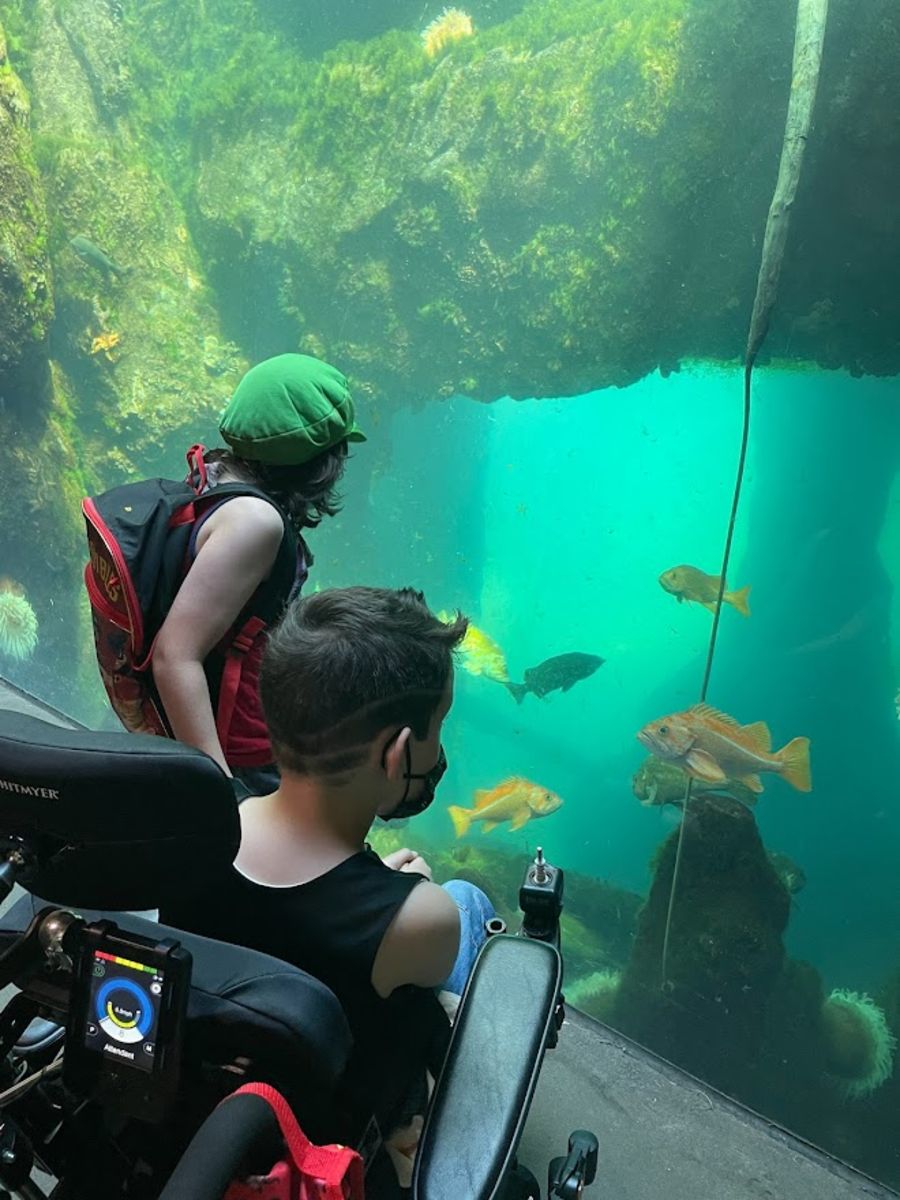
(288, 409)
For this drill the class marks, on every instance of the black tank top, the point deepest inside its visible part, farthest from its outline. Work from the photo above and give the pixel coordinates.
(332, 928)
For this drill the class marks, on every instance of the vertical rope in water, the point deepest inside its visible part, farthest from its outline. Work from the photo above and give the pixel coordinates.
(809, 37)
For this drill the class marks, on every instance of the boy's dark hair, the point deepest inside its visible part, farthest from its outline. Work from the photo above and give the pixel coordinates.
(344, 664)
(307, 493)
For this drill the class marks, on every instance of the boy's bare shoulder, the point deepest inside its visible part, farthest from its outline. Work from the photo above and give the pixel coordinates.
(421, 943)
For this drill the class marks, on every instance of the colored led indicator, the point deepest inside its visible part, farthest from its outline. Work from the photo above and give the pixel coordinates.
(125, 962)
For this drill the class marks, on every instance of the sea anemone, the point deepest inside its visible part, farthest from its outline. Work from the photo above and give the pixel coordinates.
(595, 994)
(18, 624)
(861, 1048)
(451, 26)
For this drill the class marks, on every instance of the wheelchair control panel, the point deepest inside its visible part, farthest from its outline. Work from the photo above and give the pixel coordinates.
(127, 1016)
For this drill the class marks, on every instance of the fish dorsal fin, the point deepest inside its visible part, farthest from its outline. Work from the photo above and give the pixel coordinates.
(707, 712)
(483, 798)
(758, 736)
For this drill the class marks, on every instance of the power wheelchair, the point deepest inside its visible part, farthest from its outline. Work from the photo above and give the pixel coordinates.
(94, 826)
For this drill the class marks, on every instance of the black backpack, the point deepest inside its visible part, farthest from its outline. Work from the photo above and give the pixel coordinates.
(138, 538)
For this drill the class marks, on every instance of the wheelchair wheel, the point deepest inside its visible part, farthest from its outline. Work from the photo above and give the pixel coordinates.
(521, 1185)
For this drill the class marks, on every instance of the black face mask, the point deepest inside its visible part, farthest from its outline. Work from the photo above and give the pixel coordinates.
(411, 808)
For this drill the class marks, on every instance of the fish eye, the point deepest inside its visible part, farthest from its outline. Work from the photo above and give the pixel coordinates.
(664, 729)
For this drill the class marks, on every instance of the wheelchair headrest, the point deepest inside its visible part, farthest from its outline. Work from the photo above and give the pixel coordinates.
(115, 820)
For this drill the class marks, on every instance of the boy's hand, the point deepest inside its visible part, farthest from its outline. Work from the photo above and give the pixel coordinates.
(418, 865)
(407, 860)
(398, 858)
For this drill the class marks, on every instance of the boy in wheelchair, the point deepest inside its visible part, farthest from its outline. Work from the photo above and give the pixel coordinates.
(100, 822)
(356, 685)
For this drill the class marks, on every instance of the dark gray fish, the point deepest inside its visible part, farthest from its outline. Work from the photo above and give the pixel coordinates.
(92, 254)
(556, 674)
(792, 876)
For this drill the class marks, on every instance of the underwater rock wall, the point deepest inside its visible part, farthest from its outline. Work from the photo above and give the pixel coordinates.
(135, 327)
(550, 205)
(26, 293)
(567, 197)
(135, 367)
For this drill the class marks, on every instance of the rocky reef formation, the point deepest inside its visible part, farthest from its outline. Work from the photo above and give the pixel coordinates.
(569, 198)
(735, 1011)
(724, 951)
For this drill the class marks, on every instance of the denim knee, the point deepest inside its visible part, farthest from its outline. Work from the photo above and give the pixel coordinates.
(470, 898)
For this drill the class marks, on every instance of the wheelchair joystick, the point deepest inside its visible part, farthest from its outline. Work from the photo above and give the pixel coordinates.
(570, 1175)
(541, 900)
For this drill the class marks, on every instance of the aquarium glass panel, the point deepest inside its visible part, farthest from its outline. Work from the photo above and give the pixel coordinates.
(533, 235)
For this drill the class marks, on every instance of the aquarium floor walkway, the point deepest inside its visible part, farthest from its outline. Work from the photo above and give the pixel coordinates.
(664, 1135)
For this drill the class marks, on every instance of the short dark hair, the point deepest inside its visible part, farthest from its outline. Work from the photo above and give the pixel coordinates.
(307, 492)
(344, 664)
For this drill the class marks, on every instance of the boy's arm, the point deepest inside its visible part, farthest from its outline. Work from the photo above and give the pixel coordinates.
(421, 943)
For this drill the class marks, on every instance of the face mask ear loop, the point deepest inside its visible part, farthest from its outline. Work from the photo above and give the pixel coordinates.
(409, 777)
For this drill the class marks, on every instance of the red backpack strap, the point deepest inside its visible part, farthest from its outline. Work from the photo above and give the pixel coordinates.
(231, 675)
(325, 1172)
(197, 467)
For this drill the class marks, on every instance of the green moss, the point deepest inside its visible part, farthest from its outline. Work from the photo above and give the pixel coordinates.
(19, 22)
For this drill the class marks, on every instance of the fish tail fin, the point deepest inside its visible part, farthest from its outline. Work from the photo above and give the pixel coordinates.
(794, 759)
(740, 600)
(518, 690)
(461, 818)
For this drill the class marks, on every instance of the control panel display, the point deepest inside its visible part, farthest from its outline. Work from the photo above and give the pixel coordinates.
(123, 1013)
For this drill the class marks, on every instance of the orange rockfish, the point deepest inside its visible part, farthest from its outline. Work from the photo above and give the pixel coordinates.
(712, 746)
(515, 800)
(691, 584)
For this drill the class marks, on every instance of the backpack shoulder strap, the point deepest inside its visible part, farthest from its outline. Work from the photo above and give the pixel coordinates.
(264, 607)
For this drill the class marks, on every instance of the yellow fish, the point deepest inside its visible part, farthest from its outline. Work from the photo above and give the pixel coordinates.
(516, 800)
(480, 653)
(692, 584)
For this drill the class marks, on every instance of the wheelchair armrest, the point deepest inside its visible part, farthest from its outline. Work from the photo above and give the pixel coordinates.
(485, 1087)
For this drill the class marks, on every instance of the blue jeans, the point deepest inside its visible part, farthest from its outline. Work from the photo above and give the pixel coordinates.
(474, 909)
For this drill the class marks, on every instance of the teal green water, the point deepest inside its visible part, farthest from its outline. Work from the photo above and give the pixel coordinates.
(548, 522)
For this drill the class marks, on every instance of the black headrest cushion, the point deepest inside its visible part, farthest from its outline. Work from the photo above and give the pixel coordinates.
(116, 818)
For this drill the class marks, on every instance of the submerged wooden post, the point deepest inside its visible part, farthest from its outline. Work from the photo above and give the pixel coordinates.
(812, 16)
(809, 38)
